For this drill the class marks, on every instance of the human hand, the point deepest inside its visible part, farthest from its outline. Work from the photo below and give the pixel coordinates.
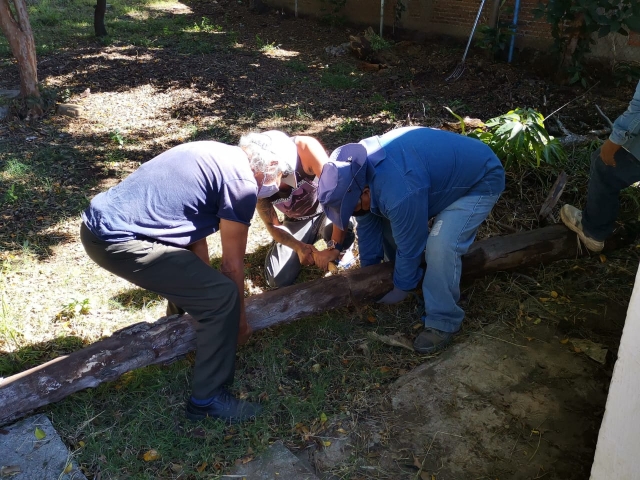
(305, 253)
(608, 151)
(324, 257)
(394, 296)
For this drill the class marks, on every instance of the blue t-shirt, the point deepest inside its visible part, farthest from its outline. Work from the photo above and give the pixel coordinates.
(177, 197)
(413, 174)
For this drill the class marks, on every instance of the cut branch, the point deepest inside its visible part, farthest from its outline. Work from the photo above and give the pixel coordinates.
(171, 337)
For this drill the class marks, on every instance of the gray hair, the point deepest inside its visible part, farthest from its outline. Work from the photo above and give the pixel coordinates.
(271, 146)
(261, 158)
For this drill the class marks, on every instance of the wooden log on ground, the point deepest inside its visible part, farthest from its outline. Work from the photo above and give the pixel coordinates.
(170, 337)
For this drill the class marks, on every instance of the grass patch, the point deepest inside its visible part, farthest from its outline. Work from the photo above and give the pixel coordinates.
(298, 377)
(339, 77)
(297, 66)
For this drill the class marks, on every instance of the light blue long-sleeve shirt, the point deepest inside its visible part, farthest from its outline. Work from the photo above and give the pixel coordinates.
(413, 174)
(626, 128)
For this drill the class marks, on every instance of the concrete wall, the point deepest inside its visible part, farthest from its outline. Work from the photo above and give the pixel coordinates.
(455, 18)
(619, 439)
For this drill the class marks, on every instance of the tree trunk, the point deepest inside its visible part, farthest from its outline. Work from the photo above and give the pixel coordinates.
(98, 18)
(574, 33)
(170, 337)
(16, 27)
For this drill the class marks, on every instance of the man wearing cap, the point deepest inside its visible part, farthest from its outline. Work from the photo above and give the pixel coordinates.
(394, 184)
(151, 230)
(296, 197)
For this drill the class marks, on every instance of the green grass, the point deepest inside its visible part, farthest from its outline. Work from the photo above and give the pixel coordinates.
(61, 24)
(339, 77)
(297, 66)
(299, 379)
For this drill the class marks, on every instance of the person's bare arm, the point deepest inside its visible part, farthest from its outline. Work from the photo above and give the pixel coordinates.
(312, 154)
(281, 235)
(233, 236)
(201, 249)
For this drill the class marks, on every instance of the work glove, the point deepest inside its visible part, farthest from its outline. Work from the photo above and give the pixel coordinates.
(394, 296)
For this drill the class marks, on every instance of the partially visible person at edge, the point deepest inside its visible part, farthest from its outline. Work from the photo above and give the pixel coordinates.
(297, 198)
(151, 230)
(614, 166)
(394, 184)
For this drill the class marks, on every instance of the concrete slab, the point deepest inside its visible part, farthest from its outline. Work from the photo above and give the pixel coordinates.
(499, 406)
(24, 457)
(277, 463)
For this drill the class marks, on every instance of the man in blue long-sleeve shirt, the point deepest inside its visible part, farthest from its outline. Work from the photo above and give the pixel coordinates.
(395, 183)
(614, 166)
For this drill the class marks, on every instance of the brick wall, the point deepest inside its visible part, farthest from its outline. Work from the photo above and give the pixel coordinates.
(455, 18)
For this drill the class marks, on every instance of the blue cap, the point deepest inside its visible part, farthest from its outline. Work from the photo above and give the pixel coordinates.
(341, 183)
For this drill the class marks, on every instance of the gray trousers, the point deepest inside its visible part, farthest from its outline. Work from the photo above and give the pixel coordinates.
(185, 280)
(282, 264)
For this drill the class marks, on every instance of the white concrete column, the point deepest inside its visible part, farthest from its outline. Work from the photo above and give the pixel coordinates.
(618, 449)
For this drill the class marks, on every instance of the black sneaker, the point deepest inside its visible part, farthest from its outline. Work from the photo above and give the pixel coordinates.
(431, 340)
(225, 407)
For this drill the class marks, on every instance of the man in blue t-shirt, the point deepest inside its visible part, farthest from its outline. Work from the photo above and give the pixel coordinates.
(394, 184)
(151, 230)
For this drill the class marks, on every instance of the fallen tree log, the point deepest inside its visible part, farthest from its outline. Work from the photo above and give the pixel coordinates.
(145, 344)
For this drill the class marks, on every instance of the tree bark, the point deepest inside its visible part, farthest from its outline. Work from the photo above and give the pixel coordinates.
(150, 343)
(98, 18)
(16, 27)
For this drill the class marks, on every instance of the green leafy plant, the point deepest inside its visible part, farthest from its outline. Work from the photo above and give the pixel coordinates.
(11, 195)
(519, 137)
(626, 72)
(377, 42)
(117, 137)
(573, 23)
(73, 309)
(398, 9)
(332, 10)
(496, 39)
(265, 46)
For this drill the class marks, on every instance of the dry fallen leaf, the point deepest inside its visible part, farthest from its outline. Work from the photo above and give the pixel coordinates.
(326, 443)
(323, 418)
(39, 433)
(594, 351)
(371, 319)
(200, 468)
(68, 468)
(316, 368)
(603, 258)
(385, 369)
(151, 455)
(554, 294)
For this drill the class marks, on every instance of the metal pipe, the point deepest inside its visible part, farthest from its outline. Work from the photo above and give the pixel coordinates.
(381, 16)
(513, 30)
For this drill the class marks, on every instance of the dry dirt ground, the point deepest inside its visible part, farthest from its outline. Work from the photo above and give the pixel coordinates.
(514, 399)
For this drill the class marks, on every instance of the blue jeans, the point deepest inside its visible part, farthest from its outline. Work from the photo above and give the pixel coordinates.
(603, 197)
(451, 235)
(454, 230)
